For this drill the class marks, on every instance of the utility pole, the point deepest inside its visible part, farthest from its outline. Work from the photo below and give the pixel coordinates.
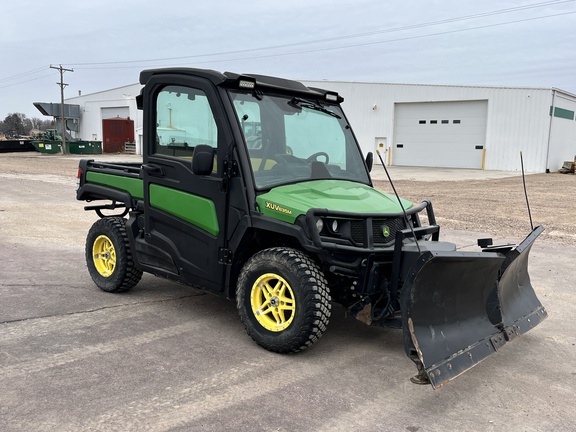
(62, 85)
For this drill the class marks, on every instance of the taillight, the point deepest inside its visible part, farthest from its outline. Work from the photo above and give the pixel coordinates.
(78, 177)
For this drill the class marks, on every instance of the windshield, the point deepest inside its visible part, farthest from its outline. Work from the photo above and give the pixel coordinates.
(290, 139)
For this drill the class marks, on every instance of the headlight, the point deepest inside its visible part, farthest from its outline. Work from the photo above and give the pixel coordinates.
(334, 225)
(319, 224)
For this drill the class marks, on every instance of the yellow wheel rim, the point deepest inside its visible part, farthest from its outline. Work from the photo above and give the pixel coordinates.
(273, 302)
(104, 256)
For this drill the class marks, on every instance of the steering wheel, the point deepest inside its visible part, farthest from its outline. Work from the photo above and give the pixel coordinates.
(314, 157)
(254, 143)
(287, 159)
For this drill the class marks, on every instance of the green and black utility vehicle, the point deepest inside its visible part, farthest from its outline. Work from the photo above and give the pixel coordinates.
(255, 188)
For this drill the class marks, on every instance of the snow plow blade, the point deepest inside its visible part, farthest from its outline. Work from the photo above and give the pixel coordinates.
(460, 307)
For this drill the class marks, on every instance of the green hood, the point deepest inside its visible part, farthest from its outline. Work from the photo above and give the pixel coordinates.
(288, 202)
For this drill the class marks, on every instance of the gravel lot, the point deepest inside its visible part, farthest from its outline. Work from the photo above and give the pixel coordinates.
(495, 206)
(498, 206)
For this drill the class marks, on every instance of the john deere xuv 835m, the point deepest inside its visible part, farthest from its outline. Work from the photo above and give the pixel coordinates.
(254, 188)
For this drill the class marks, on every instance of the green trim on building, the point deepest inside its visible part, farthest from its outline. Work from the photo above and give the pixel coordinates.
(562, 113)
(131, 185)
(198, 211)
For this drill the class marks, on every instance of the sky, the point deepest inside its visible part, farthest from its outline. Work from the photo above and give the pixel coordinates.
(107, 43)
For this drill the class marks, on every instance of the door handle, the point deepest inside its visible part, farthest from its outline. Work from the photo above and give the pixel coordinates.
(153, 170)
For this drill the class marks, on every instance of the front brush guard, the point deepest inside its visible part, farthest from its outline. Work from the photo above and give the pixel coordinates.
(460, 307)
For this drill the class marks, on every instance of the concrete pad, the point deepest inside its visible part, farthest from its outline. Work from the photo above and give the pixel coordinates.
(437, 174)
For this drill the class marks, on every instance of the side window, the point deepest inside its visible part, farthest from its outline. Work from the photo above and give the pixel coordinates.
(184, 119)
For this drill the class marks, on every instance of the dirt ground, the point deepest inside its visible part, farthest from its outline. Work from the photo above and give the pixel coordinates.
(496, 207)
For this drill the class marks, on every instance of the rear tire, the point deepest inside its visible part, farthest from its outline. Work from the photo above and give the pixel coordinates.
(283, 300)
(109, 257)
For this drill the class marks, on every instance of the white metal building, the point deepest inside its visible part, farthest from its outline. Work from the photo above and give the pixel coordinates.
(421, 125)
(117, 102)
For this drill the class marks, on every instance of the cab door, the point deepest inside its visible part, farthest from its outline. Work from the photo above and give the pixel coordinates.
(185, 213)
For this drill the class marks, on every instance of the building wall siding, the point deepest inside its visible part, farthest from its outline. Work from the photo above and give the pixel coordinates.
(91, 108)
(562, 131)
(518, 119)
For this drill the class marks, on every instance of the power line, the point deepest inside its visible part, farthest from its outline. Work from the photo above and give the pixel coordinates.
(131, 64)
(436, 34)
(331, 48)
(29, 80)
(23, 74)
(346, 37)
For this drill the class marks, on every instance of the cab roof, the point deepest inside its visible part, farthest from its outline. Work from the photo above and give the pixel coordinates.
(232, 80)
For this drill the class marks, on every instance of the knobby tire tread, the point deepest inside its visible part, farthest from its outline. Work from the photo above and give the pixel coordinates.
(130, 275)
(316, 301)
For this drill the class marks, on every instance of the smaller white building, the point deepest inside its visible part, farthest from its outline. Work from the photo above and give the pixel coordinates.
(420, 125)
(117, 102)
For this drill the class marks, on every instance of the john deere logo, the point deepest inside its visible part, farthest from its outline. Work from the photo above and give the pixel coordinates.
(386, 231)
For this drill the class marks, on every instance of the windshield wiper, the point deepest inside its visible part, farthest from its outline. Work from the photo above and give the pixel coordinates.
(297, 102)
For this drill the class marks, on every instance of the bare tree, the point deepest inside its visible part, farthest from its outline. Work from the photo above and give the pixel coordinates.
(18, 124)
(14, 125)
(43, 124)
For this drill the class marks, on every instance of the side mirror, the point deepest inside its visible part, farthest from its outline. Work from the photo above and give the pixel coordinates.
(369, 161)
(202, 160)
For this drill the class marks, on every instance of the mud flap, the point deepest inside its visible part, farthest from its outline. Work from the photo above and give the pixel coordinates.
(460, 307)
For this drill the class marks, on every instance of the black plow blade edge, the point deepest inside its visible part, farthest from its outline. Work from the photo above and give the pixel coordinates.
(460, 307)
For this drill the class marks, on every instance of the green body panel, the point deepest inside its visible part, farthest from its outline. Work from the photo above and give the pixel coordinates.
(198, 211)
(133, 186)
(286, 203)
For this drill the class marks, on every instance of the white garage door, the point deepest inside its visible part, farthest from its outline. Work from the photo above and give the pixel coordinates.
(440, 134)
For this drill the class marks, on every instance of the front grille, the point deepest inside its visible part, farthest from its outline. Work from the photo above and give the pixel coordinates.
(394, 225)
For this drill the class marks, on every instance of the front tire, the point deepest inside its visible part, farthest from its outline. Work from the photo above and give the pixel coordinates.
(109, 257)
(283, 300)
